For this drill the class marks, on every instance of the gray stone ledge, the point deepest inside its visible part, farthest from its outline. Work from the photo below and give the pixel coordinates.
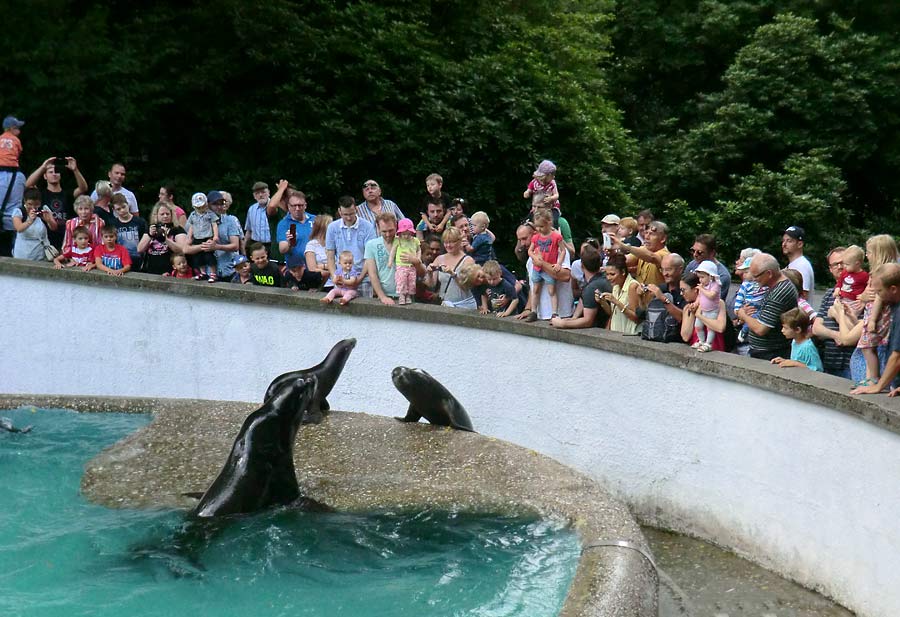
(807, 386)
(364, 463)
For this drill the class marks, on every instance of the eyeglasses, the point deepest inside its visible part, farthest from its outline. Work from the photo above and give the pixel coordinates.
(836, 264)
(759, 275)
(369, 185)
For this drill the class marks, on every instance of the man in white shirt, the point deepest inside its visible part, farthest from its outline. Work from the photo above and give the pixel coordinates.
(116, 178)
(792, 247)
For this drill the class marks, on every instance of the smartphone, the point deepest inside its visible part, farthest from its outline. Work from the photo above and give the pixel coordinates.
(294, 234)
(60, 162)
(607, 242)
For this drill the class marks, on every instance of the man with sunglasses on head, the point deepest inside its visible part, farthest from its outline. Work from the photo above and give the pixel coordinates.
(704, 249)
(53, 196)
(374, 204)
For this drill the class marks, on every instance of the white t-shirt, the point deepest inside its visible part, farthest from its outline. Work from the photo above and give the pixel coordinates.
(129, 197)
(566, 302)
(802, 265)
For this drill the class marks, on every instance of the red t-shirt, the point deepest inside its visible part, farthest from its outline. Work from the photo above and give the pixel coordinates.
(114, 259)
(851, 284)
(10, 149)
(547, 246)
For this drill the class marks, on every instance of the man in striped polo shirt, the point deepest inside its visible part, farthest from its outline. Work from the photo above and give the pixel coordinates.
(766, 340)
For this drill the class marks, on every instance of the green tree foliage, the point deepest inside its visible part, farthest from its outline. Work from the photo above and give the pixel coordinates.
(327, 94)
(747, 101)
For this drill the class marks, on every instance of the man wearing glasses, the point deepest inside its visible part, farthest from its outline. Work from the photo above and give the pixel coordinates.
(374, 204)
(766, 340)
(704, 249)
(650, 255)
(835, 358)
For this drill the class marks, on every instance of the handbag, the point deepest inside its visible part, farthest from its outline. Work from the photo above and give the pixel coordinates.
(50, 251)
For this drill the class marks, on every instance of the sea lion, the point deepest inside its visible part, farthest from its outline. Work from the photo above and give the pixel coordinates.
(429, 399)
(259, 472)
(7, 425)
(327, 372)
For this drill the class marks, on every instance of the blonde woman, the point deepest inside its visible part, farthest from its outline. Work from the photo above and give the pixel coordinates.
(445, 273)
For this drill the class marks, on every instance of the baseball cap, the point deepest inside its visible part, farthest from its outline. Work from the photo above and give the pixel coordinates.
(214, 196)
(198, 200)
(10, 122)
(259, 186)
(240, 259)
(745, 265)
(611, 219)
(795, 232)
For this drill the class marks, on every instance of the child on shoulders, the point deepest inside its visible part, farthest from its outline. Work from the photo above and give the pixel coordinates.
(482, 247)
(542, 190)
(853, 279)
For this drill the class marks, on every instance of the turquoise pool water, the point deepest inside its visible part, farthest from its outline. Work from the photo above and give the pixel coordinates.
(61, 556)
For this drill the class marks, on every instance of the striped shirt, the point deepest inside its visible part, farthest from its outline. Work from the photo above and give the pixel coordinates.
(365, 212)
(780, 299)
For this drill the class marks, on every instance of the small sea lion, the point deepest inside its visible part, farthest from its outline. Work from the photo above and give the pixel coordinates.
(327, 373)
(429, 399)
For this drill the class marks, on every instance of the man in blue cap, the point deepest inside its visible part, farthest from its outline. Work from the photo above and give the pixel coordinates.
(12, 181)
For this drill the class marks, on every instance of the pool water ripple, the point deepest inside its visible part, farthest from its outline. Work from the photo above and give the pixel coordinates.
(60, 555)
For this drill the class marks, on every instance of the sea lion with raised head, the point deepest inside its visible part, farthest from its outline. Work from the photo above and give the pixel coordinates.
(327, 373)
(259, 472)
(7, 425)
(429, 399)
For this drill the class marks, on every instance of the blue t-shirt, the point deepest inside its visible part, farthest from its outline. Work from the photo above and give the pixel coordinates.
(339, 238)
(807, 353)
(295, 257)
(482, 248)
(229, 226)
(378, 252)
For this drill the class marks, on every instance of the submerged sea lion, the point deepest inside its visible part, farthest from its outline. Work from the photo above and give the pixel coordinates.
(7, 425)
(259, 472)
(429, 399)
(327, 373)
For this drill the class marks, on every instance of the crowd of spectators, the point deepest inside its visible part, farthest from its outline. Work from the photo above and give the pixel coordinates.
(627, 279)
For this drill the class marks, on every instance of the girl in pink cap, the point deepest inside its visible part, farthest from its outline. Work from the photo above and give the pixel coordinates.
(406, 248)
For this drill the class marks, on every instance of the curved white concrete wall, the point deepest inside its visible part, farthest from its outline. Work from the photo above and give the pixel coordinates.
(808, 491)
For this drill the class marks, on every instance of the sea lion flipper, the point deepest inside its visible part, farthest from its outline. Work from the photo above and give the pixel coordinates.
(324, 407)
(411, 415)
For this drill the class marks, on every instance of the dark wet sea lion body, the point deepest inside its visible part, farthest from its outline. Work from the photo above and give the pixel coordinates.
(327, 373)
(259, 472)
(429, 399)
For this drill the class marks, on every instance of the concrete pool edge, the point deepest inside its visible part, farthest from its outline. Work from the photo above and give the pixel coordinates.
(361, 462)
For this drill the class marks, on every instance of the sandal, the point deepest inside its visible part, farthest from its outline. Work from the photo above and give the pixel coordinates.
(532, 316)
(704, 347)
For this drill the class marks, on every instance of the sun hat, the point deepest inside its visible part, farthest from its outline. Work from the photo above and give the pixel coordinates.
(611, 219)
(709, 268)
(546, 167)
(405, 225)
